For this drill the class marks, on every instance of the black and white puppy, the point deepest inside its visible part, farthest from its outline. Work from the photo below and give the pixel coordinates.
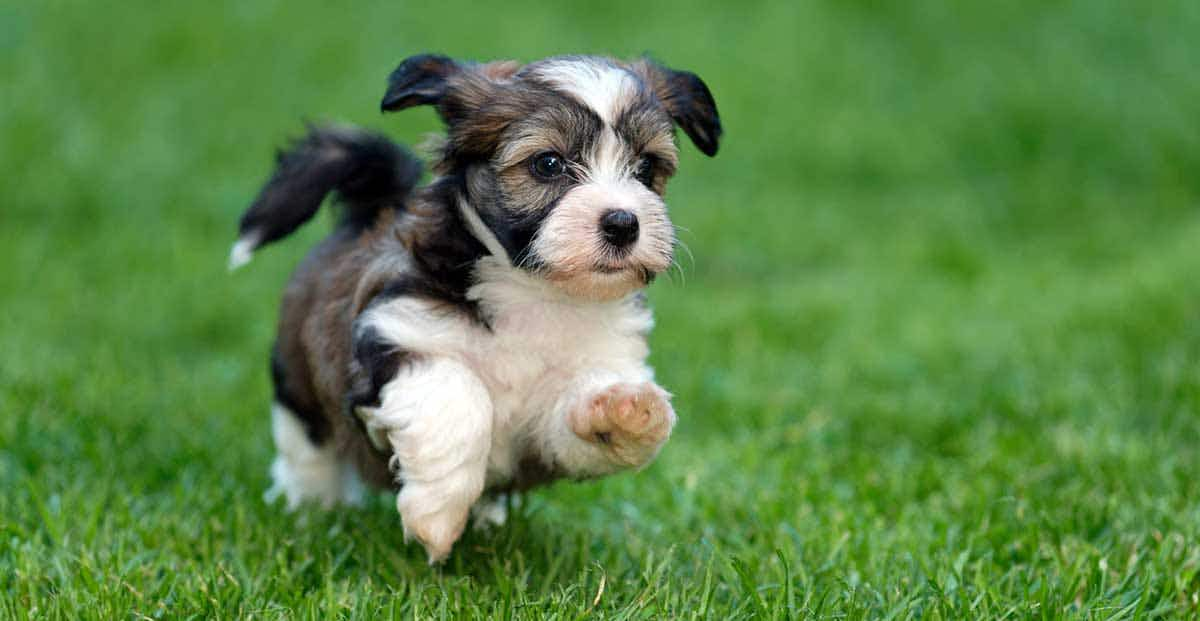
(487, 332)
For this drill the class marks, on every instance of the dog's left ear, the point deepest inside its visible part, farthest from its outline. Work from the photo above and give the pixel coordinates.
(455, 88)
(419, 80)
(687, 100)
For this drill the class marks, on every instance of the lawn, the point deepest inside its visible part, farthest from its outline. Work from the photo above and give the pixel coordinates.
(935, 346)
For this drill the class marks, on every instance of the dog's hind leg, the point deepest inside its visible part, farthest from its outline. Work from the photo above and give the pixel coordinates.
(305, 472)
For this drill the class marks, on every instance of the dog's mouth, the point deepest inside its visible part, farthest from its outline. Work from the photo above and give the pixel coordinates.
(602, 280)
(640, 272)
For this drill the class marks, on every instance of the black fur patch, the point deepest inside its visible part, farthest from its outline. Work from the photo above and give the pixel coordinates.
(693, 108)
(687, 99)
(515, 219)
(376, 362)
(298, 400)
(417, 81)
(367, 171)
(452, 299)
(445, 260)
(515, 230)
(516, 235)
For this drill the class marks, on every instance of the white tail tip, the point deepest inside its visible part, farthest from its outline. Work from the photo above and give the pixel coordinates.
(241, 253)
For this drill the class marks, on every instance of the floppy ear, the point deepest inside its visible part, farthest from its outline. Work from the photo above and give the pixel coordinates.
(456, 88)
(419, 80)
(687, 100)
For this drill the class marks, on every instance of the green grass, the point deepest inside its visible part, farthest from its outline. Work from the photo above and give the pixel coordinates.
(937, 353)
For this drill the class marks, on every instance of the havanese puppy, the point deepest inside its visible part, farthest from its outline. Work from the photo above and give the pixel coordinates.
(487, 332)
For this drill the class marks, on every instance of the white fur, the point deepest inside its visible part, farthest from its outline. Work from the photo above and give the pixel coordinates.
(545, 349)
(241, 252)
(607, 90)
(481, 231)
(490, 513)
(479, 400)
(304, 472)
(570, 241)
(571, 231)
(603, 87)
(609, 161)
(437, 417)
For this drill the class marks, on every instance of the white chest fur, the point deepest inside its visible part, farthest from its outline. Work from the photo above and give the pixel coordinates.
(540, 349)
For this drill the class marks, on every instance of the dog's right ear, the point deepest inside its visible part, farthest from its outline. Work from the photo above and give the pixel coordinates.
(687, 99)
(419, 80)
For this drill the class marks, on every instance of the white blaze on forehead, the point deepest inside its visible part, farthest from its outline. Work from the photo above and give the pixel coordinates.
(604, 88)
(607, 161)
(608, 90)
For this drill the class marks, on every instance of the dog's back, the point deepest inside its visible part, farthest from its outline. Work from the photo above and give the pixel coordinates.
(371, 178)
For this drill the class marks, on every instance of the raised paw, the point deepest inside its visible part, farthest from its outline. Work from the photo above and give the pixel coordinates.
(629, 422)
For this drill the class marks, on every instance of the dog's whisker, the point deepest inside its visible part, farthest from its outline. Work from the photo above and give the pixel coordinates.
(676, 267)
(687, 250)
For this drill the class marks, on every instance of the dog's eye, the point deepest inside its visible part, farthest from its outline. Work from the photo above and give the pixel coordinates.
(645, 171)
(548, 165)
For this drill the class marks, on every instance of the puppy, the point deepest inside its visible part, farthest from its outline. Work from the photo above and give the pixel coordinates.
(487, 332)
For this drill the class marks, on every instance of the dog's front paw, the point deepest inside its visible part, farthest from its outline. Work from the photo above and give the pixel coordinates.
(433, 518)
(629, 422)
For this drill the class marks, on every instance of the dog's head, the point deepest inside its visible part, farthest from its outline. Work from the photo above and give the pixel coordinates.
(566, 160)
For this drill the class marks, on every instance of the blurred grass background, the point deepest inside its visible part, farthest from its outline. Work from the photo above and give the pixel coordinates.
(936, 348)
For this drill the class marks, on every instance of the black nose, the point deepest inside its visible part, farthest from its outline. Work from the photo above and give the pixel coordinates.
(620, 227)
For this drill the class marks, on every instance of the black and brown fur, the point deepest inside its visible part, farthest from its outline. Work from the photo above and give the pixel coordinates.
(395, 239)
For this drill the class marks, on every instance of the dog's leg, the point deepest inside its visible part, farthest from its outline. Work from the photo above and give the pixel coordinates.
(303, 471)
(490, 512)
(607, 422)
(437, 418)
(629, 421)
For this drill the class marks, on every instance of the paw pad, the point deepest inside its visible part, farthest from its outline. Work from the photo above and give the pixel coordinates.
(630, 422)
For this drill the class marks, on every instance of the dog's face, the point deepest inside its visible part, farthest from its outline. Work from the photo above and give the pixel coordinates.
(566, 160)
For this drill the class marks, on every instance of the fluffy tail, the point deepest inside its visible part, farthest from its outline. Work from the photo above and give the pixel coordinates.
(368, 172)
